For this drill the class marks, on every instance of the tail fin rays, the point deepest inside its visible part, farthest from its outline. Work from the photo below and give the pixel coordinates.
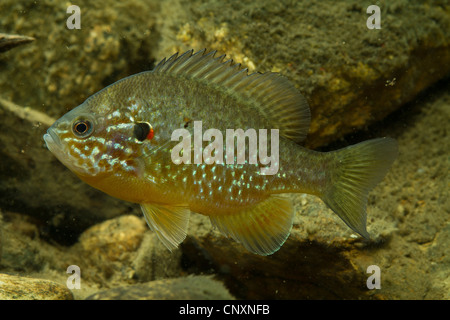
(357, 170)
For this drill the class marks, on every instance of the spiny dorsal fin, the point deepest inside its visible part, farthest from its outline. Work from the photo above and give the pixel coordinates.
(168, 222)
(261, 229)
(275, 96)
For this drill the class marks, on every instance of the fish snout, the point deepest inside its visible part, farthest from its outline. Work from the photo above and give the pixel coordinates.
(52, 140)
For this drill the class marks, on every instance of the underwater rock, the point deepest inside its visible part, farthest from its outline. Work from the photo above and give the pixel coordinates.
(125, 247)
(299, 270)
(112, 239)
(187, 288)
(24, 288)
(108, 249)
(63, 67)
(153, 261)
(351, 75)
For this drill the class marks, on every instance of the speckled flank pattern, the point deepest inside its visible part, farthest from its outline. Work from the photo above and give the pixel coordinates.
(199, 88)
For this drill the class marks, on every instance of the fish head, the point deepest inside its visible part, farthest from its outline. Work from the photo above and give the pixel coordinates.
(97, 139)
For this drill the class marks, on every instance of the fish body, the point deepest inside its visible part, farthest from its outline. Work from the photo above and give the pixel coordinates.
(121, 141)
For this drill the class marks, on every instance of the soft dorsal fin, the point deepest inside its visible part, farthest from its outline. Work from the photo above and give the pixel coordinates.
(275, 96)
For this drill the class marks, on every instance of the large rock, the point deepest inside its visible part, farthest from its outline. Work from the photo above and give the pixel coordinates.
(352, 76)
(187, 288)
(24, 288)
(112, 239)
(124, 248)
(105, 251)
(153, 261)
(62, 67)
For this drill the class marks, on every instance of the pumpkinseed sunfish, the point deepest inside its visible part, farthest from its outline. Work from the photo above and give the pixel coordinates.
(120, 141)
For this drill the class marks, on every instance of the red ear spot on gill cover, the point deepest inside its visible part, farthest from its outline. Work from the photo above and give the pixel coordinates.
(143, 131)
(151, 134)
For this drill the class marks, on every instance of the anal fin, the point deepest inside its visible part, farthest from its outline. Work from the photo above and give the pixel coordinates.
(168, 222)
(262, 229)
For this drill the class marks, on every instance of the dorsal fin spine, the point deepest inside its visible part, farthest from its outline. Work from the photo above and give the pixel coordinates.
(274, 96)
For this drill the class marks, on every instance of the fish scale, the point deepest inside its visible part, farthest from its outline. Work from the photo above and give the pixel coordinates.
(120, 141)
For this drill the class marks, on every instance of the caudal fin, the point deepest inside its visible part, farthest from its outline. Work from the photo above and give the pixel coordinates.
(357, 169)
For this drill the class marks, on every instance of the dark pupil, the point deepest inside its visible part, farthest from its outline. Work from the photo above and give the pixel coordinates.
(141, 130)
(81, 127)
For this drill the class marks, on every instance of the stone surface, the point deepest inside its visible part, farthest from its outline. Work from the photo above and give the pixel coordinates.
(62, 67)
(351, 76)
(188, 288)
(112, 239)
(24, 288)
(106, 251)
(154, 261)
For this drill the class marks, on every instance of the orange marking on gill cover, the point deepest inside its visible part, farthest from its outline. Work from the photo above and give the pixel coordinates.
(151, 134)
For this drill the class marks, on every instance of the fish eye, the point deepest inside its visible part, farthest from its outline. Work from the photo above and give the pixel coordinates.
(82, 128)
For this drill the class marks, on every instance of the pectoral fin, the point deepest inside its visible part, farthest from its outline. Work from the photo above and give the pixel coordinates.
(262, 229)
(168, 222)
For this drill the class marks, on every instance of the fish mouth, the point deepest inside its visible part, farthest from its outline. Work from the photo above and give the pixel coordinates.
(52, 140)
